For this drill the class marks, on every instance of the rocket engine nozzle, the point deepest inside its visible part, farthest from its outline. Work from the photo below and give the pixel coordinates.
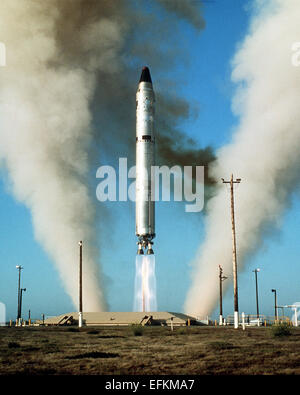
(150, 249)
(140, 250)
(145, 247)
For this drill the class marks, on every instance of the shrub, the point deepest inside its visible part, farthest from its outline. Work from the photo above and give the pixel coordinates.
(93, 354)
(281, 330)
(92, 332)
(73, 329)
(13, 345)
(138, 330)
(220, 345)
(182, 331)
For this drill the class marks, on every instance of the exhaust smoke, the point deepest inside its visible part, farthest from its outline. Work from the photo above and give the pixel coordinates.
(64, 92)
(264, 151)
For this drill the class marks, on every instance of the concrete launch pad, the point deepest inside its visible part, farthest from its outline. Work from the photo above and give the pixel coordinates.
(162, 318)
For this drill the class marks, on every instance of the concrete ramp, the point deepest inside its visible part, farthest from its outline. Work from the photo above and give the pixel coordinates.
(147, 320)
(67, 319)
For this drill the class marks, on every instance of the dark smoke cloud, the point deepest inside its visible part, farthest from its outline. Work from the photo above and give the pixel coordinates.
(171, 153)
(117, 80)
(186, 10)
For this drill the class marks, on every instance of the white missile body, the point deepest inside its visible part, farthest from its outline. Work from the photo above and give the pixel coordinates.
(145, 159)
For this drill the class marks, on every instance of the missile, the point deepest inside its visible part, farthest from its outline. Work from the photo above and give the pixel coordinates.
(145, 159)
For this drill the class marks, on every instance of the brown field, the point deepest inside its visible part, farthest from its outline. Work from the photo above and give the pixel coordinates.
(148, 351)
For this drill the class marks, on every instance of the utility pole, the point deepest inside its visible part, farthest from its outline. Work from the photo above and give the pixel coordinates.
(221, 279)
(234, 260)
(256, 286)
(21, 297)
(275, 307)
(19, 267)
(80, 285)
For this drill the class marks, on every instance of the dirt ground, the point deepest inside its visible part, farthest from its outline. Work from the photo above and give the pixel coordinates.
(148, 351)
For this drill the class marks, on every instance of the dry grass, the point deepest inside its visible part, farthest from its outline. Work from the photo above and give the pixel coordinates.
(155, 351)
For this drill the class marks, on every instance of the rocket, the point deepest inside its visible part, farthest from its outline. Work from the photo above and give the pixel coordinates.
(145, 159)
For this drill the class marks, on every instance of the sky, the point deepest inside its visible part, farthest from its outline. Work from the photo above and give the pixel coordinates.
(204, 80)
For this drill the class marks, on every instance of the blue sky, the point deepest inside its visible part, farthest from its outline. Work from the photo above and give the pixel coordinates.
(204, 80)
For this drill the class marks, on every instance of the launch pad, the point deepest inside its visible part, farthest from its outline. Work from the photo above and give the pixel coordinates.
(161, 318)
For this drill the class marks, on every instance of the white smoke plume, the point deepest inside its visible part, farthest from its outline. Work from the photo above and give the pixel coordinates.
(45, 134)
(264, 151)
(67, 60)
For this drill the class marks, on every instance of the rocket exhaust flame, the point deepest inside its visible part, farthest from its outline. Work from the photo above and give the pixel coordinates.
(145, 284)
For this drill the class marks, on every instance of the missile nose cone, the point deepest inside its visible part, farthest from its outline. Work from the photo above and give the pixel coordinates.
(145, 76)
